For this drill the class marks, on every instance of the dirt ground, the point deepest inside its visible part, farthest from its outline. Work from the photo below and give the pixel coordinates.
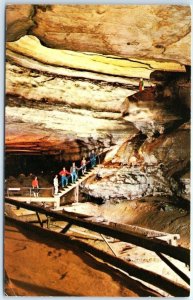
(38, 266)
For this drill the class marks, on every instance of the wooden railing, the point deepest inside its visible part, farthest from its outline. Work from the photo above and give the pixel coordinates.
(129, 269)
(180, 253)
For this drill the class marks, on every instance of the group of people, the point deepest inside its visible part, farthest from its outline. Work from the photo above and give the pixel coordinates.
(65, 174)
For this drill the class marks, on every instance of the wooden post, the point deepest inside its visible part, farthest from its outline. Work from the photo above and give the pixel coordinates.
(39, 219)
(57, 203)
(174, 268)
(66, 228)
(77, 193)
(48, 221)
(108, 244)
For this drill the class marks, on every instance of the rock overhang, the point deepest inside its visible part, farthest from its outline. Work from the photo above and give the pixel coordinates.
(63, 76)
(145, 31)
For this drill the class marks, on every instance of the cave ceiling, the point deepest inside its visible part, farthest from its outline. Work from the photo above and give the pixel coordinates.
(149, 31)
(71, 69)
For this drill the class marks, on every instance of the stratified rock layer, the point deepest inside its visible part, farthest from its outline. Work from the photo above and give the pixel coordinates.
(69, 106)
(68, 103)
(31, 47)
(143, 31)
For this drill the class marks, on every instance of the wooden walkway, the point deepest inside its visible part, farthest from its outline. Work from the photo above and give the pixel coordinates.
(76, 185)
(57, 198)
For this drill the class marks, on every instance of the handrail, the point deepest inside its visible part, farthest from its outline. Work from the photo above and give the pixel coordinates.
(87, 163)
(11, 189)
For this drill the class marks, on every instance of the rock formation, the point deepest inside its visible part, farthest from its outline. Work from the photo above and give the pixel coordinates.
(148, 31)
(61, 103)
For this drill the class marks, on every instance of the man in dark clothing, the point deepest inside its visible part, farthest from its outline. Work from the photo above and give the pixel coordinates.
(93, 159)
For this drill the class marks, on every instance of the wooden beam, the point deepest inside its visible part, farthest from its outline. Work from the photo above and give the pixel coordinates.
(39, 219)
(180, 253)
(84, 235)
(66, 228)
(174, 268)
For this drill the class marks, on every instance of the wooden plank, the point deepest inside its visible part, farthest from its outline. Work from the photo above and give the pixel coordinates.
(180, 253)
(144, 231)
(84, 235)
(163, 283)
(154, 234)
(75, 214)
(164, 236)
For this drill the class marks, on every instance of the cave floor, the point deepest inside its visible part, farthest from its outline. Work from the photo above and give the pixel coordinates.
(40, 267)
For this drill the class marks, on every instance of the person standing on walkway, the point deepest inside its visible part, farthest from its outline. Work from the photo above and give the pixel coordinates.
(141, 85)
(64, 178)
(83, 165)
(93, 159)
(73, 171)
(56, 184)
(35, 186)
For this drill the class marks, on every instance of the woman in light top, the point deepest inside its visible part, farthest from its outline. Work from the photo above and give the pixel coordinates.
(55, 182)
(83, 165)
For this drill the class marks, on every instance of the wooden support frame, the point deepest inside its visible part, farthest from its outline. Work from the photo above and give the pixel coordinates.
(161, 282)
(180, 253)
